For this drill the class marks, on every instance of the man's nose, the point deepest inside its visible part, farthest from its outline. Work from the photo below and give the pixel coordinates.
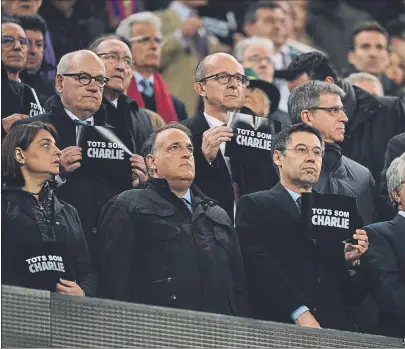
(343, 117)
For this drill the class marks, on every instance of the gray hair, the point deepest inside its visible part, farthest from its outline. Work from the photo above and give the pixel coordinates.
(125, 27)
(307, 96)
(395, 175)
(243, 44)
(355, 77)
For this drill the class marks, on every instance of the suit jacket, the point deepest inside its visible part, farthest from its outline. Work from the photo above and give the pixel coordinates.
(179, 63)
(216, 181)
(384, 264)
(283, 267)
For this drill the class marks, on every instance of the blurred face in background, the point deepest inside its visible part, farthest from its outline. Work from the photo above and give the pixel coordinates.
(270, 23)
(370, 86)
(370, 52)
(257, 101)
(299, 15)
(35, 50)
(258, 57)
(146, 42)
(21, 7)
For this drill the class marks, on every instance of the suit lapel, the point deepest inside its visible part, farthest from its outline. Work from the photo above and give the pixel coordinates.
(285, 201)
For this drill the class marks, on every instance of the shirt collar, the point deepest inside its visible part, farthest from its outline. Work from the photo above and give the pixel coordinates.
(74, 117)
(182, 10)
(402, 213)
(115, 102)
(139, 77)
(212, 122)
(293, 194)
(187, 195)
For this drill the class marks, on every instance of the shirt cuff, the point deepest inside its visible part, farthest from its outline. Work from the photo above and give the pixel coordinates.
(181, 38)
(59, 181)
(297, 313)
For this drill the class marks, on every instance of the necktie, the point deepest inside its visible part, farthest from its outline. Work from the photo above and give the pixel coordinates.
(82, 122)
(200, 44)
(236, 192)
(298, 201)
(147, 87)
(188, 204)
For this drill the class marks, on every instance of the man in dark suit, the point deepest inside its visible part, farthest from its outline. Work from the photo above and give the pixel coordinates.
(287, 278)
(221, 82)
(384, 262)
(80, 79)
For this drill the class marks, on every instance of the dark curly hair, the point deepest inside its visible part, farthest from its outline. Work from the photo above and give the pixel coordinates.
(315, 64)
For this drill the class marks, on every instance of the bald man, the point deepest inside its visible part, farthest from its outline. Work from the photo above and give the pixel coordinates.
(80, 80)
(220, 81)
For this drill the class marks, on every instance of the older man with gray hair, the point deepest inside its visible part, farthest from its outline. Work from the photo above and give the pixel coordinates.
(319, 104)
(368, 82)
(147, 86)
(384, 263)
(80, 80)
(257, 53)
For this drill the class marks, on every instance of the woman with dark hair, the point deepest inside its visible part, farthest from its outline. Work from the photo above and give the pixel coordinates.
(42, 239)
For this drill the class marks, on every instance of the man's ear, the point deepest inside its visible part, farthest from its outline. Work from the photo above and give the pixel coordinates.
(396, 196)
(199, 88)
(278, 158)
(19, 155)
(248, 29)
(59, 83)
(307, 117)
(330, 80)
(351, 57)
(151, 163)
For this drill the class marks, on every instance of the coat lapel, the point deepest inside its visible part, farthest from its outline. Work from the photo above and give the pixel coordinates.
(285, 201)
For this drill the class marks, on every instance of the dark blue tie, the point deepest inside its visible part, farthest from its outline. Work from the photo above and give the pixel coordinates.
(298, 201)
(147, 87)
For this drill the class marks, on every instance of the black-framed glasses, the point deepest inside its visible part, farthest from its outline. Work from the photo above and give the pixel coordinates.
(9, 41)
(225, 78)
(147, 40)
(257, 59)
(115, 58)
(85, 79)
(333, 110)
(304, 151)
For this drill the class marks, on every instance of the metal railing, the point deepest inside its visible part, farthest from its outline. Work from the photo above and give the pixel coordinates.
(33, 318)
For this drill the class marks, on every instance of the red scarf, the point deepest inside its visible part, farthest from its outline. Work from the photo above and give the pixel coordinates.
(164, 103)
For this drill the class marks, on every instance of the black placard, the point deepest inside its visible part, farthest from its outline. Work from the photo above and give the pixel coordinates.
(252, 136)
(41, 265)
(106, 151)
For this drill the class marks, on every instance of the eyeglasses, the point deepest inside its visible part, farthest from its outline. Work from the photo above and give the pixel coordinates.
(304, 151)
(9, 41)
(115, 58)
(257, 59)
(225, 78)
(333, 110)
(147, 40)
(85, 79)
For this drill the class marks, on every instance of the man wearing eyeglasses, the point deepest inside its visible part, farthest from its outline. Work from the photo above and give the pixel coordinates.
(319, 104)
(220, 81)
(14, 45)
(287, 280)
(80, 80)
(122, 111)
(36, 73)
(147, 87)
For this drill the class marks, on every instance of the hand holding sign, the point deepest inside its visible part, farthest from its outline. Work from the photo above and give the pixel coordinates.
(190, 26)
(212, 139)
(307, 320)
(354, 252)
(139, 174)
(70, 159)
(70, 288)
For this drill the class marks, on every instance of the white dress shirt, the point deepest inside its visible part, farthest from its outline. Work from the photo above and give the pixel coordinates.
(139, 77)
